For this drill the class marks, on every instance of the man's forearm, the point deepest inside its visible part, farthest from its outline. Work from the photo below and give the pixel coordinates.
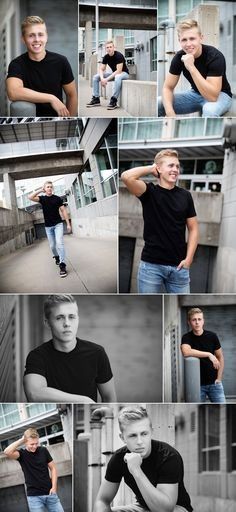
(35, 194)
(192, 244)
(48, 394)
(167, 99)
(72, 104)
(13, 446)
(100, 506)
(155, 499)
(206, 89)
(25, 94)
(221, 368)
(54, 478)
(137, 172)
(192, 352)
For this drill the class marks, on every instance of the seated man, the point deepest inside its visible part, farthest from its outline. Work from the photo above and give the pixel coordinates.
(67, 368)
(116, 61)
(152, 469)
(205, 69)
(39, 76)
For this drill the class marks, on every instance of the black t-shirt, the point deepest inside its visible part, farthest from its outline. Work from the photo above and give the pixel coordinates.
(163, 466)
(48, 76)
(115, 59)
(207, 342)
(76, 372)
(165, 212)
(35, 468)
(210, 63)
(51, 205)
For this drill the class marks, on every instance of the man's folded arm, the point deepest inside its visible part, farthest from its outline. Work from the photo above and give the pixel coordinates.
(107, 391)
(37, 390)
(105, 496)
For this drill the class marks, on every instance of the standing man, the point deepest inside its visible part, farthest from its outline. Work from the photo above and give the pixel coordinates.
(53, 211)
(116, 61)
(36, 462)
(167, 211)
(152, 469)
(206, 346)
(39, 76)
(205, 69)
(67, 368)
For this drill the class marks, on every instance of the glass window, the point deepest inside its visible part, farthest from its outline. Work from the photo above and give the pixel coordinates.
(209, 166)
(187, 167)
(77, 194)
(214, 126)
(149, 129)
(106, 158)
(9, 415)
(210, 438)
(87, 188)
(153, 54)
(193, 127)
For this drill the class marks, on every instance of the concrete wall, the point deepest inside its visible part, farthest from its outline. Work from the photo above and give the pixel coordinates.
(139, 98)
(142, 58)
(224, 276)
(12, 236)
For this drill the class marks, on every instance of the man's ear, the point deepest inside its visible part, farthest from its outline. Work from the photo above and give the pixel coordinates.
(121, 436)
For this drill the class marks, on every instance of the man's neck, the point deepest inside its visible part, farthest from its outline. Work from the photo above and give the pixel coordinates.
(168, 186)
(64, 347)
(37, 57)
(198, 333)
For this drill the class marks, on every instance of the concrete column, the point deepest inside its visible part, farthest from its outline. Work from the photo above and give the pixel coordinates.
(109, 418)
(192, 379)
(96, 450)
(208, 18)
(88, 46)
(119, 42)
(10, 191)
(163, 422)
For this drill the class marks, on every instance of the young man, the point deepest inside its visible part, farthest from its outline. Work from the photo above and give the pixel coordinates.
(36, 462)
(39, 76)
(67, 368)
(205, 69)
(116, 61)
(167, 211)
(152, 469)
(206, 346)
(54, 211)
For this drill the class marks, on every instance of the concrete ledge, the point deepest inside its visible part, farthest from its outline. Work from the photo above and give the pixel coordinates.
(139, 98)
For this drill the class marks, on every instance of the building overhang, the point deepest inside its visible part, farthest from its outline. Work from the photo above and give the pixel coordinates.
(146, 150)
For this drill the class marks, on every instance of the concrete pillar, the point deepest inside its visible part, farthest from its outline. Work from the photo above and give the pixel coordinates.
(88, 46)
(208, 18)
(109, 418)
(163, 422)
(10, 191)
(119, 42)
(92, 68)
(192, 379)
(96, 450)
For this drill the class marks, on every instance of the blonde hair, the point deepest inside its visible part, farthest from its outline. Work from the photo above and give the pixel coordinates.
(110, 41)
(194, 311)
(186, 25)
(31, 20)
(31, 432)
(129, 414)
(165, 153)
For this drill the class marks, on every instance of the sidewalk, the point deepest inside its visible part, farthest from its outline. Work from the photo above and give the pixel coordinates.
(91, 266)
(85, 95)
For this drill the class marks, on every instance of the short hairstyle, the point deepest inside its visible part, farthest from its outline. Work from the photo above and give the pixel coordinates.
(186, 25)
(31, 432)
(165, 153)
(110, 41)
(194, 311)
(50, 183)
(53, 300)
(132, 413)
(31, 20)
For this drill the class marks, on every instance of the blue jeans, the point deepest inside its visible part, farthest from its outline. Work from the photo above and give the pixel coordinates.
(215, 393)
(49, 502)
(56, 242)
(116, 85)
(152, 277)
(190, 101)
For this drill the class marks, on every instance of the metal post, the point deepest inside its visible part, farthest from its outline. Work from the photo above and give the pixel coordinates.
(192, 379)
(97, 25)
(96, 442)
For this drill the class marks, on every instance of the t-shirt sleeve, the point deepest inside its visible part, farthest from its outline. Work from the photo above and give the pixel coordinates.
(59, 202)
(171, 471)
(191, 212)
(217, 342)
(15, 70)
(67, 73)
(48, 456)
(186, 338)
(35, 364)
(216, 65)
(176, 65)
(104, 373)
(145, 196)
(114, 471)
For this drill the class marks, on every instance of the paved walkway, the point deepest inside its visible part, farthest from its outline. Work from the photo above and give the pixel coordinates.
(91, 266)
(85, 95)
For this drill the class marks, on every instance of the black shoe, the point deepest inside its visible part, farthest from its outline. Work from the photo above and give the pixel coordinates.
(95, 102)
(112, 104)
(57, 259)
(63, 272)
